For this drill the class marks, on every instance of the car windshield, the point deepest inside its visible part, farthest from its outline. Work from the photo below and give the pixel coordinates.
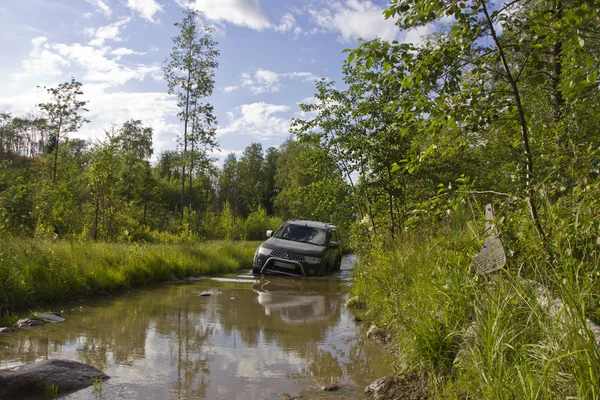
(299, 233)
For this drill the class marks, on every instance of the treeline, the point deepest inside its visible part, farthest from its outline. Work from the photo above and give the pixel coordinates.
(109, 190)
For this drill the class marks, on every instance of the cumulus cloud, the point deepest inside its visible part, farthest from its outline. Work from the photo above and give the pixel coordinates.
(109, 32)
(99, 68)
(352, 19)
(265, 81)
(101, 6)
(246, 13)
(145, 8)
(123, 51)
(259, 120)
(114, 108)
(42, 62)
(108, 108)
(229, 89)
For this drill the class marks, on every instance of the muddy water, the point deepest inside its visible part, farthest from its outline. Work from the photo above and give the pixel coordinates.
(250, 339)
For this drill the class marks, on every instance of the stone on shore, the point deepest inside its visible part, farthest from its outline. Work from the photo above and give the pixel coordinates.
(34, 379)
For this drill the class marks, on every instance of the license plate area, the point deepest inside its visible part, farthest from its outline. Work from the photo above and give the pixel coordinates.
(285, 265)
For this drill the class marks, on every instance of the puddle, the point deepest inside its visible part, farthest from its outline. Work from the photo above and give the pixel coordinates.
(250, 339)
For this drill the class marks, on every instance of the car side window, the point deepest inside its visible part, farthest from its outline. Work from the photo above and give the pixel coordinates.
(334, 236)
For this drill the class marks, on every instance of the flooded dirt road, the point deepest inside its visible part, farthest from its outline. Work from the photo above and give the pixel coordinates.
(249, 339)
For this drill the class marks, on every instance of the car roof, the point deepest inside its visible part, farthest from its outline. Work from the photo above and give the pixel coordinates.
(311, 224)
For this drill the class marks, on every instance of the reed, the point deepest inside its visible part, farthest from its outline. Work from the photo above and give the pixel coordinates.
(478, 336)
(36, 272)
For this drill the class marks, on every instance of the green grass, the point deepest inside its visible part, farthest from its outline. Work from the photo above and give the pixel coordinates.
(34, 272)
(483, 337)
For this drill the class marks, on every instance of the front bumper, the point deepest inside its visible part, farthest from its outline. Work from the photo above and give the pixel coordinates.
(264, 264)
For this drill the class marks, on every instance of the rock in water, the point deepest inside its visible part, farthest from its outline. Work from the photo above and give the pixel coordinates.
(32, 380)
(50, 317)
(28, 322)
(327, 387)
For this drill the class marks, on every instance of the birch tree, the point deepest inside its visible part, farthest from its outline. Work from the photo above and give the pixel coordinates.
(189, 72)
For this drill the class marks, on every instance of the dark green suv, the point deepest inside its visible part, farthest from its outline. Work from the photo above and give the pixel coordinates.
(304, 248)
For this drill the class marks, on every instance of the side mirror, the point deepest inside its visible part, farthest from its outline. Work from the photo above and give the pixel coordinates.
(334, 245)
(269, 233)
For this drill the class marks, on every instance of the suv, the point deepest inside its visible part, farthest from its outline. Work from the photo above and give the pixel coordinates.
(304, 248)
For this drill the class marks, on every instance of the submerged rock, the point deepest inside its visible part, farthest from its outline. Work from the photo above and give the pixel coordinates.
(7, 329)
(328, 387)
(205, 294)
(34, 379)
(285, 396)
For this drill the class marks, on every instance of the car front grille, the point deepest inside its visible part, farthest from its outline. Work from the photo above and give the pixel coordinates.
(287, 256)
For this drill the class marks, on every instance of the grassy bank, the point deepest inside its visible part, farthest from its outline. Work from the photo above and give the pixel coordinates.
(34, 272)
(483, 337)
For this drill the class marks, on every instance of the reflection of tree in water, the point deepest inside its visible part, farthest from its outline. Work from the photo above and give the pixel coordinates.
(27, 346)
(363, 363)
(324, 367)
(119, 329)
(116, 330)
(191, 356)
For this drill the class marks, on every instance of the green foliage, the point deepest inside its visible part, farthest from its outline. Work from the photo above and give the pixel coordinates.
(498, 337)
(62, 114)
(257, 224)
(33, 272)
(227, 223)
(190, 77)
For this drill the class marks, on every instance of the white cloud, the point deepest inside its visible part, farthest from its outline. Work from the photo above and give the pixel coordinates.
(287, 23)
(41, 62)
(259, 120)
(99, 68)
(108, 108)
(101, 6)
(145, 8)
(352, 19)
(229, 89)
(123, 51)
(153, 109)
(101, 74)
(265, 81)
(96, 65)
(246, 13)
(109, 32)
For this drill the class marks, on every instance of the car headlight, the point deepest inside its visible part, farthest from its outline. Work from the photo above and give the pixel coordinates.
(313, 260)
(264, 251)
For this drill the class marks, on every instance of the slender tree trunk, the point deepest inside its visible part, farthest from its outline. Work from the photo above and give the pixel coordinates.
(391, 200)
(556, 60)
(185, 128)
(529, 178)
(56, 149)
(96, 219)
(191, 171)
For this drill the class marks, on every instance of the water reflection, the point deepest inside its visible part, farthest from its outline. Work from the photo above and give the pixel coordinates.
(249, 339)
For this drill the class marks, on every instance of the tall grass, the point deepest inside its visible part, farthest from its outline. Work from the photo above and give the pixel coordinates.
(34, 272)
(484, 337)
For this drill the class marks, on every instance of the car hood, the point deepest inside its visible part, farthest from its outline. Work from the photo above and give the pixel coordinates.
(295, 247)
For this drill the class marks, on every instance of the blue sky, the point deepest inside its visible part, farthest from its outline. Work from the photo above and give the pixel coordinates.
(271, 53)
